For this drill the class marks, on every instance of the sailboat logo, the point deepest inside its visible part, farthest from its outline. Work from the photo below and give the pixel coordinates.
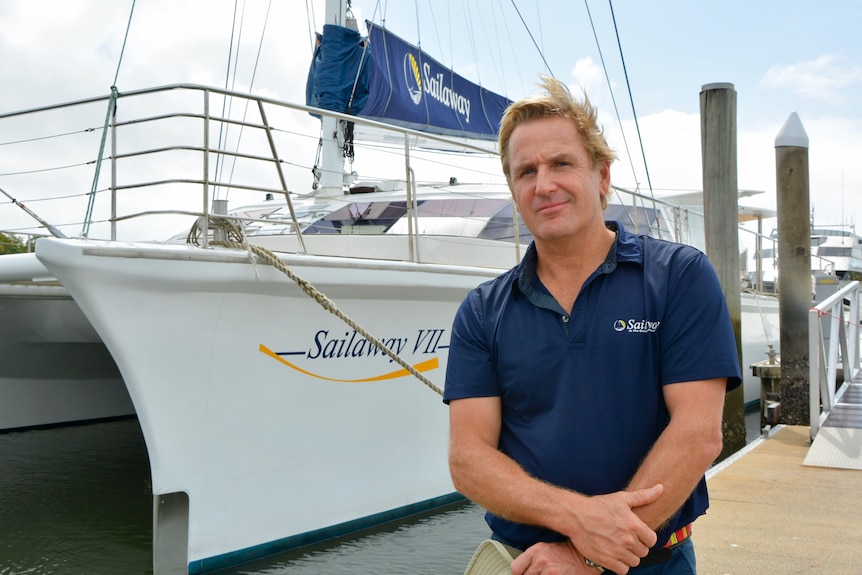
(412, 78)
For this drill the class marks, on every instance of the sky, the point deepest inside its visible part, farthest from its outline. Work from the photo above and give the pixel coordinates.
(647, 60)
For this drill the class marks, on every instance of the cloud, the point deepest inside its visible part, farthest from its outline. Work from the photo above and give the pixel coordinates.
(670, 141)
(825, 78)
(590, 77)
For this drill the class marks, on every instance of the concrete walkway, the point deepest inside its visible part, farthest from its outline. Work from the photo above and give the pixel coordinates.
(770, 514)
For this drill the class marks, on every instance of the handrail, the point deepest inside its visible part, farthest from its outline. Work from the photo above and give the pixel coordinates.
(824, 358)
(137, 138)
(199, 111)
(268, 129)
(280, 103)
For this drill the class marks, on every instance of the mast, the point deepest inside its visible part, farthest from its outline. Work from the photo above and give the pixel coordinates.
(331, 177)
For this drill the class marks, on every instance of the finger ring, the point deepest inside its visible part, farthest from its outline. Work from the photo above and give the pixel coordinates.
(596, 565)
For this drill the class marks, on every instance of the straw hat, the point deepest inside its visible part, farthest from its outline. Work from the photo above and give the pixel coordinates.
(491, 558)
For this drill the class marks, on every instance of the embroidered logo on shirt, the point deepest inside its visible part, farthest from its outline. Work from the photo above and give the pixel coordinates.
(637, 325)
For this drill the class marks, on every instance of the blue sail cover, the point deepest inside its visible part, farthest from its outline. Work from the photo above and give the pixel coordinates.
(333, 83)
(398, 84)
(410, 89)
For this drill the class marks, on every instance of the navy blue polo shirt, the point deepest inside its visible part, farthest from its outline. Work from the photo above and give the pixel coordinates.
(581, 393)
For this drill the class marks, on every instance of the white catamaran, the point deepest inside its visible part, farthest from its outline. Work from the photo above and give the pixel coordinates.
(279, 391)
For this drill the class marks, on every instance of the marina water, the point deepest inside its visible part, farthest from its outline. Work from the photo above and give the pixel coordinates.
(78, 501)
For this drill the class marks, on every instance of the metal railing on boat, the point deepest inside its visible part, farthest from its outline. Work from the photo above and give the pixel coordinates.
(212, 151)
(143, 138)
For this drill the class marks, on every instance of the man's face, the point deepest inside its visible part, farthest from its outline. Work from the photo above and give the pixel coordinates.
(555, 186)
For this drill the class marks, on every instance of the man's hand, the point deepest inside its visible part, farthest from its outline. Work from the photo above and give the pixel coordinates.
(551, 559)
(607, 531)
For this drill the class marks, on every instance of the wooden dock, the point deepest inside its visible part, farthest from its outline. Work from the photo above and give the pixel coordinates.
(772, 514)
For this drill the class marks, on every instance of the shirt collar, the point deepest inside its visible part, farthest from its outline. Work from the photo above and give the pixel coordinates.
(627, 247)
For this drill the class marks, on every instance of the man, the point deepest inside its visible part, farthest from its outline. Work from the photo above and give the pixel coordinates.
(586, 385)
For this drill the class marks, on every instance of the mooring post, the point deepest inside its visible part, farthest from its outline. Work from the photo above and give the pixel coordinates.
(720, 206)
(795, 292)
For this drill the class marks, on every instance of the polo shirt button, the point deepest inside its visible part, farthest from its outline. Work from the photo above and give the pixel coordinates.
(565, 319)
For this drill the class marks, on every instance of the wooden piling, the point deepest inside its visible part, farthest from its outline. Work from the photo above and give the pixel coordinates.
(720, 203)
(794, 268)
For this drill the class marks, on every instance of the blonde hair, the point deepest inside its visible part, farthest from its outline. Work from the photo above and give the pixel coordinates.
(557, 102)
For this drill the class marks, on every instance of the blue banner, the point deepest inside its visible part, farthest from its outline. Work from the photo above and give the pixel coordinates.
(410, 89)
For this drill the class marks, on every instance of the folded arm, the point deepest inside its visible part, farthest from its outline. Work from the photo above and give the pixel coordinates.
(686, 448)
(603, 528)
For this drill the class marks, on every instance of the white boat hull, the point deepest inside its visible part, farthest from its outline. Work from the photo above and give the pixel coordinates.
(267, 452)
(54, 368)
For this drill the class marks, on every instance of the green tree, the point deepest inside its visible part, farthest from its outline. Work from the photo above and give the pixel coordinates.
(11, 244)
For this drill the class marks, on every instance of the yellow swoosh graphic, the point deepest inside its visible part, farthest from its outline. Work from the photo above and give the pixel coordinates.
(428, 365)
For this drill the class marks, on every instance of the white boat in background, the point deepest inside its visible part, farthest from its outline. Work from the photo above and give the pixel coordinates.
(836, 253)
(841, 248)
(271, 421)
(54, 367)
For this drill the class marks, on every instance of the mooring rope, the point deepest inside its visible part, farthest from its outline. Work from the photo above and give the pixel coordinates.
(236, 240)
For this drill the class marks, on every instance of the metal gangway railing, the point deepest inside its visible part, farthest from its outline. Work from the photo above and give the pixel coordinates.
(833, 344)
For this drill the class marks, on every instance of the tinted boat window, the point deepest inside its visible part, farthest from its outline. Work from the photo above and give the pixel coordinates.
(377, 217)
(501, 226)
(833, 251)
(471, 217)
(486, 218)
(469, 207)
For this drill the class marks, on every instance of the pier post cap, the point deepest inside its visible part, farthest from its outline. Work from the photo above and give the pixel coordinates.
(792, 134)
(717, 86)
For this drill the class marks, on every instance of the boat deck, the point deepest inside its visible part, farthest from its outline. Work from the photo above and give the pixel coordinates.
(771, 513)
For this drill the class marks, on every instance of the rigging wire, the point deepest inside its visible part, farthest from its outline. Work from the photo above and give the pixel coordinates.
(383, 12)
(515, 58)
(472, 37)
(125, 39)
(418, 27)
(250, 86)
(610, 88)
(397, 151)
(222, 133)
(631, 99)
(449, 27)
(539, 20)
(634, 114)
(42, 170)
(311, 19)
(62, 197)
(27, 140)
(496, 65)
(527, 28)
(112, 110)
(437, 34)
(499, 50)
